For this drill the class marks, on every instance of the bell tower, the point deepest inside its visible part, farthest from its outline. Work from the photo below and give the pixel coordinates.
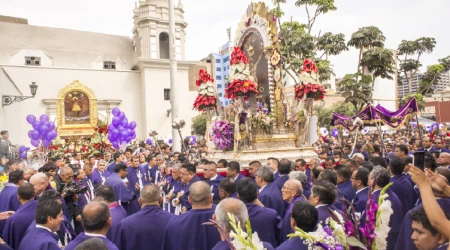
(151, 29)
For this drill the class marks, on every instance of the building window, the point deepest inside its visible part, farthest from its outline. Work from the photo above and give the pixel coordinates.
(218, 69)
(109, 65)
(220, 94)
(166, 94)
(224, 68)
(33, 61)
(219, 86)
(226, 59)
(218, 77)
(217, 60)
(164, 52)
(226, 103)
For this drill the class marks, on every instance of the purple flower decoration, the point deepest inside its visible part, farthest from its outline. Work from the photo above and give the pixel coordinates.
(223, 135)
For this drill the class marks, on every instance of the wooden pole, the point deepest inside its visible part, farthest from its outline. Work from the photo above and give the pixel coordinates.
(420, 130)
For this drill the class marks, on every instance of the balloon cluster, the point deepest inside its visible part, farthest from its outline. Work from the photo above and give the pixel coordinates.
(23, 152)
(335, 132)
(149, 141)
(43, 130)
(192, 139)
(120, 130)
(436, 126)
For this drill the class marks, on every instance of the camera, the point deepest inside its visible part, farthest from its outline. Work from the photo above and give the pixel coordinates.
(73, 188)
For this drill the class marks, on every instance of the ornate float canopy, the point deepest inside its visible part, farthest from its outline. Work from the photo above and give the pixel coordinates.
(76, 111)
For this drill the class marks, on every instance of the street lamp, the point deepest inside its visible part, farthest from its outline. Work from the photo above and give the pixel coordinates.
(10, 99)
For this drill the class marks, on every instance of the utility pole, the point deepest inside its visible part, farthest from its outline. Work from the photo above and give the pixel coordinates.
(176, 140)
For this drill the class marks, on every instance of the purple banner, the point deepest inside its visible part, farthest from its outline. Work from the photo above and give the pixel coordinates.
(371, 115)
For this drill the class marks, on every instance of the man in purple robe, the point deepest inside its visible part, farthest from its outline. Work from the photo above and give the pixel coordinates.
(118, 159)
(214, 179)
(404, 238)
(87, 181)
(265, 221)
(4, 246)
(238, 210)
(273, 164)
(135, 178)
(118, 213)
(292, 193)
(133, 231)
(234, 171)
(48, 217)
(401, 186)
(96, 220)
(269, 194)
(18, 223)
(188, 177)
(323, 195)
(124, 195)
(100, 174)
(8, 196)
(284, 168)
(172, 187)
(304, 216)
(205, 237)
(360, 178)
(379, 178)
(344, 183)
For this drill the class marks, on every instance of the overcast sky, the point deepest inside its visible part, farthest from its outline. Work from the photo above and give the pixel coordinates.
(208, 19)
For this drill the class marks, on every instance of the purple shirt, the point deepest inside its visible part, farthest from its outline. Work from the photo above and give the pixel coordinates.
(266, 222)
(286, 228)
(40, 238)
(18, 223)
(118, 213)
(83, 237)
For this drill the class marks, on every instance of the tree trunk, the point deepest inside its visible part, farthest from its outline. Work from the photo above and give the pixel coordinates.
(359, 64)
(410, 83)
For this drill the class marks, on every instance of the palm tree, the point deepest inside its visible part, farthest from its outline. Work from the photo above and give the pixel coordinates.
(379, 62)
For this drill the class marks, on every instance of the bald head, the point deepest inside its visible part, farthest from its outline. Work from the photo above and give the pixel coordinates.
(40, 182)
(66, 170)
(295, 185)
(66, 174)
(444, 159)
(150, 194)
(200, 194)
(233, 206)
(96, 217)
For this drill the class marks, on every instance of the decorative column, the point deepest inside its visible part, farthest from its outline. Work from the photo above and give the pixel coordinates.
(176, 145)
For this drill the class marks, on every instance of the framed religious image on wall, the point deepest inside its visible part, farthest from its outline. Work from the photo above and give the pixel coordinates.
(76, 111)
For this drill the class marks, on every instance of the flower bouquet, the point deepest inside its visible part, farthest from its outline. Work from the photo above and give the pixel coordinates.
(309, 82)
(206, 93)
(240, 83)
(262, 120)
(223, 135)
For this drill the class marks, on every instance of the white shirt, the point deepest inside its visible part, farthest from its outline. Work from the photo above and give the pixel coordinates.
(94, 235)
(321, 205)
(261, 189)
(361, 190)
(43, 227)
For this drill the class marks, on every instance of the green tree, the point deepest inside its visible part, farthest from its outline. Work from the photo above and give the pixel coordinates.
(356, 92)
(199, 124)
(445, 62)
(411, 52)
(419, 98)
(431, 78)
(366, 38)
(331, 44)
(380, 62)
(324, 114)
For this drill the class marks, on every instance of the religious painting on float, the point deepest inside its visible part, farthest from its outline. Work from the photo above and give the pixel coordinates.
(76, 111)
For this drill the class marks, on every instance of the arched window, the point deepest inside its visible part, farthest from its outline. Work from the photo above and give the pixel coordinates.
(164, 52)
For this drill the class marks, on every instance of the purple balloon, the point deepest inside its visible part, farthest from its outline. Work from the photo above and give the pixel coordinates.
(51, 135)
(21, 149)
(124, 122)
(35, 143)
(114, 131)
(31, 119)
(111, 126)
(133, 136)
(23, 155)
(121, 115)
(36, 125)
(124, 134)
(43, 129)
(29, 134)
(115, 145)
(27, 149)
(43, 118)
(170, 141)
(116, 121)
(52, 125)
(116, 111)
(46, 143)
(132, 125)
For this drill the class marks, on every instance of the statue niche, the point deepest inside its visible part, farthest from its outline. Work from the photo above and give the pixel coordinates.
(253, 47)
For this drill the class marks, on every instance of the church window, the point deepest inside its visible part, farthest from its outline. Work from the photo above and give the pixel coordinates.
(226, 59)
(219, 86)
(166, 94)
(109, 65)
(164, 51)
(218, 77)
(33, 61)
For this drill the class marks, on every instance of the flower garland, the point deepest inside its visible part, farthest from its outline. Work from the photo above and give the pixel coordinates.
(309, 82)
(223, 135)
(383, 217)
(240, 83)
(206, 93)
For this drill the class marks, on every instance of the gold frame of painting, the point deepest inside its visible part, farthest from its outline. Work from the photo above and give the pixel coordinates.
(86, 129)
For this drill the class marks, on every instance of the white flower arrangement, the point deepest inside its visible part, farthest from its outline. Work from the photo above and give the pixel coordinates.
(206, 89)
(382, 228)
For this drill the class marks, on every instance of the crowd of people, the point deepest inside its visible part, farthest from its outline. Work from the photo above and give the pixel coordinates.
(152, 198)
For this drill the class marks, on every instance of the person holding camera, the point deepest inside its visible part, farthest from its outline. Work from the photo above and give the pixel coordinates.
(69, 191)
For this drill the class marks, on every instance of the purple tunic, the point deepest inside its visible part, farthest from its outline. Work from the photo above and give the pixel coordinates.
(266, 222)
(360, 200)
(39, 238)
(8, 201)
(96, 177)
(239, 177)
(133, 231)
(281, 180)
(347, 190)
(134, 206)
(18, 223)
(286, 228)
(118, 213)
(404, 237)
(404, 190)
(177, 237)
(215, 187)
(184, 199)
(276, 175)
(83, 237)
(324, 212)
(294, 243)
(65, 232)
(270, 196)
(223, 245)
(123, 194)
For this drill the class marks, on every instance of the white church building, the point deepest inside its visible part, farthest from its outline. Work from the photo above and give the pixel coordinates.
(129, 73)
